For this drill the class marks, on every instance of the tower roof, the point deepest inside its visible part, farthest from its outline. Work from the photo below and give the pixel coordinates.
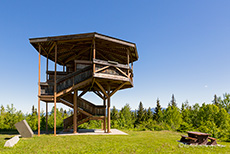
(79, 46)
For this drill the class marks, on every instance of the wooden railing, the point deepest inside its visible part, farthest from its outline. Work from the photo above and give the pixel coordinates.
(114, 70)
(66, 81)
(74, 78)
(98, 110)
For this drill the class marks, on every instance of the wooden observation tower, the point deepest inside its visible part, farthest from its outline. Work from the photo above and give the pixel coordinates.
(91, 62)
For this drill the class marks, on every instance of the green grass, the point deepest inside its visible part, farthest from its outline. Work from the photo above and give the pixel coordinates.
(135, 142)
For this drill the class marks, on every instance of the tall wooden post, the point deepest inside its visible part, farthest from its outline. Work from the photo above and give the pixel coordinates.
(55, 89)
(128, 61)
(94, 54)
(75, 111)
(39, 87)
(104, 125)
(47, 117)
(47, 67)
(108, 111)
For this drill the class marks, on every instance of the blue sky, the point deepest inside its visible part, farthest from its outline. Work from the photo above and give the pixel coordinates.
(184, 46)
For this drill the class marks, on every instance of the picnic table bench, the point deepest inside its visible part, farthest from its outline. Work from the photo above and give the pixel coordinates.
(198, 138)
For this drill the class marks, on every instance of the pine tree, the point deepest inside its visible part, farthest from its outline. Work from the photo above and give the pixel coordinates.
(216, 101)
(173, 101)
(114, 113)
(157, 111)
(140, 113)
(149, 114)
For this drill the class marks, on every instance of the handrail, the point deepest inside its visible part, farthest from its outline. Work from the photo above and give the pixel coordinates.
(110, 63)
(91, 108)
(68, 80)
(73, 74)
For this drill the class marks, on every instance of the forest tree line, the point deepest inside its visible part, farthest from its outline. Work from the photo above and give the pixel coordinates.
(211, 118)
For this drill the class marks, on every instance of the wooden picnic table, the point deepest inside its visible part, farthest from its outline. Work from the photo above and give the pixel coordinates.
(198, 138)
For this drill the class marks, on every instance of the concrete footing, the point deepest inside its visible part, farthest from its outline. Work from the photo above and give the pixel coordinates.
(11, 142)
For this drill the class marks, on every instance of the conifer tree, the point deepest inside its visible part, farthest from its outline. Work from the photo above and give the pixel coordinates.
(157, 111)
(140, 113)
(114, 113)
(216, 101)
(149, 114)
(173, 101)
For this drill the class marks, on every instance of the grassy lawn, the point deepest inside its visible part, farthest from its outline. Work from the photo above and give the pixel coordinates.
(135, 142)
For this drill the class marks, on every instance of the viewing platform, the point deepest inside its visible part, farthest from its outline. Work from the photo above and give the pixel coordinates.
(91, 62)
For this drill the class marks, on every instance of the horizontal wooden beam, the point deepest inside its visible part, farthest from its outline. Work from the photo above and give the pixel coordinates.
(107, 63)
(110, 76)
(114, 40)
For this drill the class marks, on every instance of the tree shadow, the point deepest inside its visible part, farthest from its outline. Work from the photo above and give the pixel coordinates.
(8, 132)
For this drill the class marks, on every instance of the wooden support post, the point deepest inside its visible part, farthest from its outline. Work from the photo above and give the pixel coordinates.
(104, 125)
(128, 62)
(39, 87)
(46, 117)
(108, 111)
(94, 54)
(75, 111)
(47, 67)
(55, 89)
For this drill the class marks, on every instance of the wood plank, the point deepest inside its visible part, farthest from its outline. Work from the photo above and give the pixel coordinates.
(39, 87)
(114, 40)
(103, 62)
(84, 112)
(66, 103)
(194, 139)
(46, 117)
(104, 120)
(108, 110)
(122, 72)
(75, 111)
(112, 77)
(73, 57)
(98, 94)
(74, 87)
(83, 62)
(47, 67)
(94, 54)
(101, 69)
(55, 89)
(84, 91)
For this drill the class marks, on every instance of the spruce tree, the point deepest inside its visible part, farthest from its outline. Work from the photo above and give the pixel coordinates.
(216, 101)
(140, 113)
(114, 113)
(173, 101)
(157, 111)
(149, 114)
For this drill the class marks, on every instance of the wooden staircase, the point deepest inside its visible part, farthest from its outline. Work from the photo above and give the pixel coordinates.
(85, 111)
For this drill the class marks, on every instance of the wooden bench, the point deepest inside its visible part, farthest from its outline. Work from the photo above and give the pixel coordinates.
(184, 136)
(188, 139)
(213, 141)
